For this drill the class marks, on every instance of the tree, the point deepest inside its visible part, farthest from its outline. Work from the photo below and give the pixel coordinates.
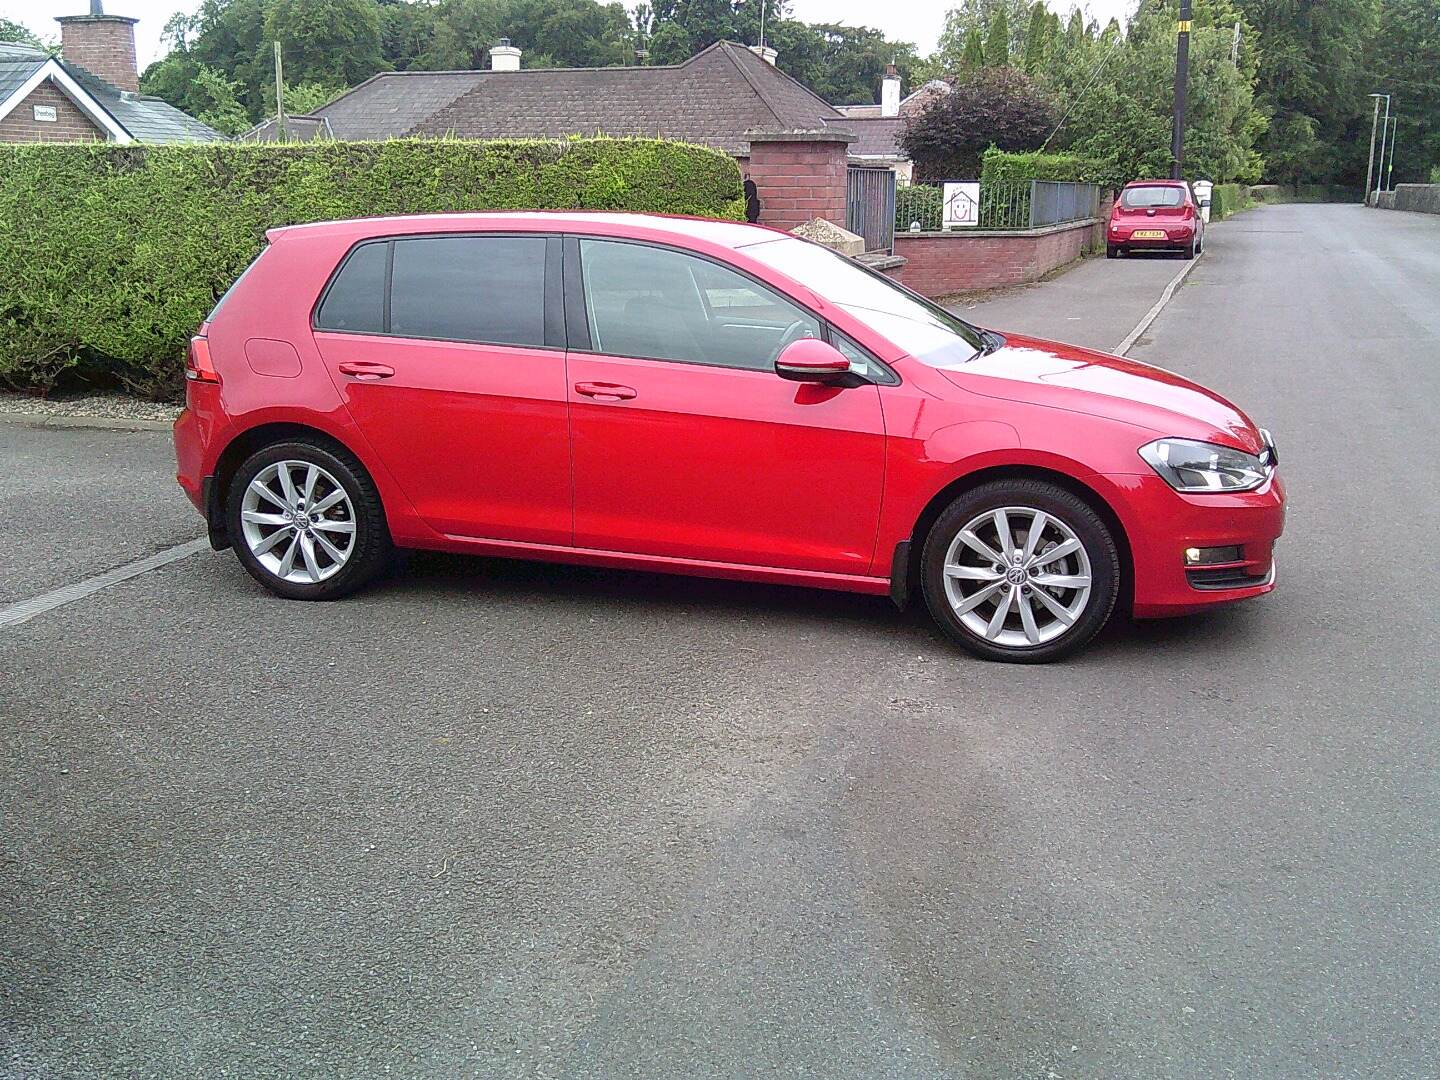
(19, 34)
(970, 15)
(327, 41)
(1118, 89)
(973, 58)
(1037, 38)
(1405, 61)
(1313, 79)
(999, 107)
(997, 40)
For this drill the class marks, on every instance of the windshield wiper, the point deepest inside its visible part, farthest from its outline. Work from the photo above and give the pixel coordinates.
(990, 341)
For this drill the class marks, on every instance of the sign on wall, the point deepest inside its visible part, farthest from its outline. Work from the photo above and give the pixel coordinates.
(962, 204)
(45, 114)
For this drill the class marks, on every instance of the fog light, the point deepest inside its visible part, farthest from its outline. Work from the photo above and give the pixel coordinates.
(1212, 556)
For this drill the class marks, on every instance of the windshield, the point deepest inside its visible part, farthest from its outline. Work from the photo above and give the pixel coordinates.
(1139, 198)
(924, 330)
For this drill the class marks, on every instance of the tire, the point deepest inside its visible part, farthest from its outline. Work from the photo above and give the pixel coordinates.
(1191, 250)
(1112, 252)
(350, 521)
(1044, 635)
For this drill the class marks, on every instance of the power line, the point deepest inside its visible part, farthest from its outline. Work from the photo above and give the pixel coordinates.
(1119, 39)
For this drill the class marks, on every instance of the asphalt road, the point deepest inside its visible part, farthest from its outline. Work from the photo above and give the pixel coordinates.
(513, 820)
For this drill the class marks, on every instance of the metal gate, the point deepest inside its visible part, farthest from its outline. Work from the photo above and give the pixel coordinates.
(870, 206)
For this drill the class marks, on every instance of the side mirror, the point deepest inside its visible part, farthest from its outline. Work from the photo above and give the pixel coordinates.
(812, 360)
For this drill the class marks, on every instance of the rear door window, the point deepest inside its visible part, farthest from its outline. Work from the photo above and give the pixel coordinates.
(488, 289)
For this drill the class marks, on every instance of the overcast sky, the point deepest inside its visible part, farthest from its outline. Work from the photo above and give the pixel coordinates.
(919, 21)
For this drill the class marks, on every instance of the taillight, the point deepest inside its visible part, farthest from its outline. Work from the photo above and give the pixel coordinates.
(198, 366)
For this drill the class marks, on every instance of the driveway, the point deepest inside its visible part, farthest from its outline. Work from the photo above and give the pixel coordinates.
(515, 820)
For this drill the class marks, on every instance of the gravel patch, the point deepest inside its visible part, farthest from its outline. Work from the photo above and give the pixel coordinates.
(103, 406)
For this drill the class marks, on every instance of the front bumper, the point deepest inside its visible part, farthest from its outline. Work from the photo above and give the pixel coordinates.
(1163, 524)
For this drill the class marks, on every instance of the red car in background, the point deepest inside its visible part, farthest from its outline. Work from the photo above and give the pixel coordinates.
(1155, 215)
(707, 398)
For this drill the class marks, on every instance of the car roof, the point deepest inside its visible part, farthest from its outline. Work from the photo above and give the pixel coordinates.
(1158, 183)
(729, 234)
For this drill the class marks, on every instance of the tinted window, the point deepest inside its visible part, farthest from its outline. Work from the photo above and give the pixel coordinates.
(356, 300)
(666, 305)
(470, 288)
(1138, 198)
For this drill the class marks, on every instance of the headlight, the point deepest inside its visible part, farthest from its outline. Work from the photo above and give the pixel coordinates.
(1193, 466)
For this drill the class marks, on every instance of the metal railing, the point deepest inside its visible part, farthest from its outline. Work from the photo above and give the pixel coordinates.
(1010, 204)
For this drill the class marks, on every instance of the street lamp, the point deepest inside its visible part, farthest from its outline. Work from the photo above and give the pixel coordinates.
(1374, 120)
(1384, 132)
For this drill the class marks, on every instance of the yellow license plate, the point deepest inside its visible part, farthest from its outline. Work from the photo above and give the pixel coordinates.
(1148, 234)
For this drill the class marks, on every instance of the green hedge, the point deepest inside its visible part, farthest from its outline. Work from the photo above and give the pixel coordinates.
(1227, 199)
(110, 256)
(999, 166)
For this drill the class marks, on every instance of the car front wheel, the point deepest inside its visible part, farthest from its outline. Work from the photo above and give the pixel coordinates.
(306, 521)
(1021, 571)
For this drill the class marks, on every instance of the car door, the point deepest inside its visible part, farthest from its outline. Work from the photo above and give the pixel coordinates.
(685, 442)
(449, 353)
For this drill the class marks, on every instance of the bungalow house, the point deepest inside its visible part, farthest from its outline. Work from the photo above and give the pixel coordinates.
(713, 98)
(90, 92)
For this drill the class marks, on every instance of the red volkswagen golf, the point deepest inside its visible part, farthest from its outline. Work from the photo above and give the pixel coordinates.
(708, 398)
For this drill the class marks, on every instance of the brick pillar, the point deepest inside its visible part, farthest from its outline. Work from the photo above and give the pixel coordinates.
(801, 175)
(103, 44)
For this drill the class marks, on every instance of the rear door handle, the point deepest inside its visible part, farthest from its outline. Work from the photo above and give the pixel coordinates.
(365, 371)
(604, 391)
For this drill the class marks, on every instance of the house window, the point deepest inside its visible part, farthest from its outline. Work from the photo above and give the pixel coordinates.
(46, 114)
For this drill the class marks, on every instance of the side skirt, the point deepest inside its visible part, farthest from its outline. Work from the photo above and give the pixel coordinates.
(778, 575)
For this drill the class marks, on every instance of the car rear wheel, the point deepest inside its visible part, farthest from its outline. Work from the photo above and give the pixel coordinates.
(306, 521)
(1021, 571)
(1112, 252)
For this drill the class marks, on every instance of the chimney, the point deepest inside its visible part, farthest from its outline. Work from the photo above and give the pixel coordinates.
(504, 56)
(890, 92)
(764, 52)
(103, 44)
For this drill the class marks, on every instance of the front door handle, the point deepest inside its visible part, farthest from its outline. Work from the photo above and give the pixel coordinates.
(604, 391)
(366, 371)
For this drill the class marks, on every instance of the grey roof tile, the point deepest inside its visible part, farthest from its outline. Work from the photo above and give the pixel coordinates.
(878, 136)
(713, 98)
(147, 119)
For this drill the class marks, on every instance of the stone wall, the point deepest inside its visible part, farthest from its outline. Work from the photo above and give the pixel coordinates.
(1420, 198)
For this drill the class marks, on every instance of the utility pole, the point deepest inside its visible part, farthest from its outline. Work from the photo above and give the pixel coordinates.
(1182, 83)
(1370, 164)
(279, 97)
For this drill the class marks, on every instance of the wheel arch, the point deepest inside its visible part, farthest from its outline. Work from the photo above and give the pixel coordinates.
(241, 447)
(905, 568)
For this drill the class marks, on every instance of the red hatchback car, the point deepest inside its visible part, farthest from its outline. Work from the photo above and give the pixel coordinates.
(1155, 215)
(707, 398)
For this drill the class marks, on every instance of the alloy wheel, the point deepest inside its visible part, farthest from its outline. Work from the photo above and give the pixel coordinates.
(1017, 576)
(298, 522)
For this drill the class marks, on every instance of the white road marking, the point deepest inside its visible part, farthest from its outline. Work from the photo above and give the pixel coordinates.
(1144, 324)
(25, 610)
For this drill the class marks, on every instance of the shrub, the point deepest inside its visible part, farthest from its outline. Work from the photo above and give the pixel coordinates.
(112, 255)
(997, 106)
(1000, 166)
(1227, 199)
(924, 203)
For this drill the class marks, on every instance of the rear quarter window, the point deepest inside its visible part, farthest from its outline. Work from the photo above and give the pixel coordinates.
(355, 301)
